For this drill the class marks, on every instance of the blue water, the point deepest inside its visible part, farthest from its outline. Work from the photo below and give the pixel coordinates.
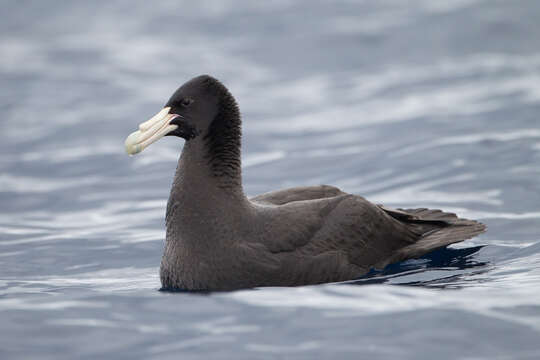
(426, 104)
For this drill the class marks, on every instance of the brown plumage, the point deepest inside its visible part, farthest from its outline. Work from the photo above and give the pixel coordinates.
(218, 239)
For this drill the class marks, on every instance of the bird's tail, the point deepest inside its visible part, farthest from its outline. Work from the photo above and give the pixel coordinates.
(438, 229)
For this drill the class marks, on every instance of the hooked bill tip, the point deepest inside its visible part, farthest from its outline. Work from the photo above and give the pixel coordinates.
(132, 146)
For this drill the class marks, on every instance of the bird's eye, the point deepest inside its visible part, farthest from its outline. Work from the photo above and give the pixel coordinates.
(186, 102)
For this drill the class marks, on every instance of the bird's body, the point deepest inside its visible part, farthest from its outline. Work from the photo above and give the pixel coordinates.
(218, 239)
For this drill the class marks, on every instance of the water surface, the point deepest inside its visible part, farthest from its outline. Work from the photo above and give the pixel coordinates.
(430, 104)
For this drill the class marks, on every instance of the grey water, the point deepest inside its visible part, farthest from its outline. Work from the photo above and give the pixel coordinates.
(411, 104)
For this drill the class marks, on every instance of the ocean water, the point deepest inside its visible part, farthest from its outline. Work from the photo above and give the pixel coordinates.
(417, 104)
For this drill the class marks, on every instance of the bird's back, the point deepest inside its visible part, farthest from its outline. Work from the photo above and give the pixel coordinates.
(340, 237)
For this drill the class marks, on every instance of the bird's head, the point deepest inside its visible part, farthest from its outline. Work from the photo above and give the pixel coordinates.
(198, 108)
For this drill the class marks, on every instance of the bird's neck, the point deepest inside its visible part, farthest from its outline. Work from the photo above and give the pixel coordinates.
(206, 178)
(209, 174)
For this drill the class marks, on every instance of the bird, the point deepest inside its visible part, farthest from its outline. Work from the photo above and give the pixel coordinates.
(218, 239)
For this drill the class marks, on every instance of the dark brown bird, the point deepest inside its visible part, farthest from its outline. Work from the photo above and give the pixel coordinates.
(218, 239)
